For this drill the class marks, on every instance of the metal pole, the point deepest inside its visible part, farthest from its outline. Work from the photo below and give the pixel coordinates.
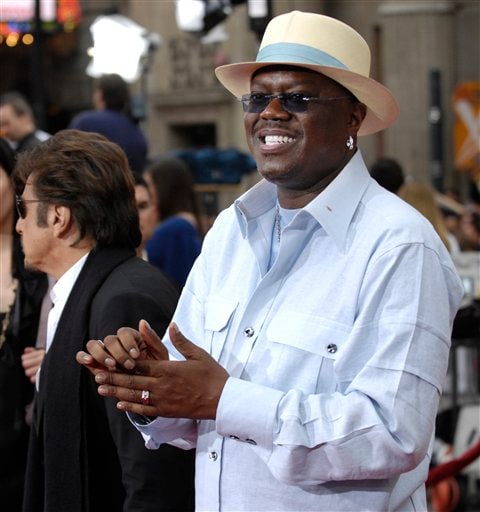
(37, 90)
(436, 141)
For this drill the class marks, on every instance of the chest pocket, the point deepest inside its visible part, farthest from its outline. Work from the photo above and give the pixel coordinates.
(218, 317)
(305, 350)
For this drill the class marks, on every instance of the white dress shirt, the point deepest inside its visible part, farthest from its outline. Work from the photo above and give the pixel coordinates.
(337, 354)
(59, 295)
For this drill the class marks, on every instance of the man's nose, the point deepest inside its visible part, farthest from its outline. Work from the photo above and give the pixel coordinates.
(275, 109)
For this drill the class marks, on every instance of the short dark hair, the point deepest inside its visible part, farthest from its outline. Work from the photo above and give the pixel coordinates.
(87, 173)
(18, 103)
(114, 92)
(388, 173)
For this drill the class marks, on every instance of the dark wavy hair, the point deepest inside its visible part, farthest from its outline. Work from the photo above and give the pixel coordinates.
(90, 175)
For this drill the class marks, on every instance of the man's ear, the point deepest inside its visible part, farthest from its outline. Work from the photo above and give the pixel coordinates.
(359, 111)
(62, 221)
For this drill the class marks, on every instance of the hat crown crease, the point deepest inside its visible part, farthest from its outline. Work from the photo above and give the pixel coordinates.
(335, 39)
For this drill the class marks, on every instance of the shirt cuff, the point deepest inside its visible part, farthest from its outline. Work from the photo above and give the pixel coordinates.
(248, 412)
(156, 431)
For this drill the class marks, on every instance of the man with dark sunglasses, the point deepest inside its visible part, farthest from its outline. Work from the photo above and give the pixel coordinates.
(320, 309)
(79, 223)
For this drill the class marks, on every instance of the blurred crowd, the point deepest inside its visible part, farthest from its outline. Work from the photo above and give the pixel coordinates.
(456, 220)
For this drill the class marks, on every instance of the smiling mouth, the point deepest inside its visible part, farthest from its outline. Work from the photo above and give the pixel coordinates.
(271, 140)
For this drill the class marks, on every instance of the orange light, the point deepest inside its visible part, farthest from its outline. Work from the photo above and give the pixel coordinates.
(27, 39)
(1, 39)
(12, 39)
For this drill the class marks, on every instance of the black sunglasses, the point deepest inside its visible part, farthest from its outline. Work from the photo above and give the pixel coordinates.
(292, 102)
(20, 204)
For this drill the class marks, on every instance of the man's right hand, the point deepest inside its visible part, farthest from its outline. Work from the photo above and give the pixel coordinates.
(31, 361)
(120, 351)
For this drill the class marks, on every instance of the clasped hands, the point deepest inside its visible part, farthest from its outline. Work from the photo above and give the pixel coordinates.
(132, 361)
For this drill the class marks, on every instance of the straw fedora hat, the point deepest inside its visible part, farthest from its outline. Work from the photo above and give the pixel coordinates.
(325, 45)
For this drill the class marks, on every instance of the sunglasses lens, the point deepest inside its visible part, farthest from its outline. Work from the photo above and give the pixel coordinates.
(295, 103)
(255, 103)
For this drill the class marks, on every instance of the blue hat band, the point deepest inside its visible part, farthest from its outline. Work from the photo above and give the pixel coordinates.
(297, 54)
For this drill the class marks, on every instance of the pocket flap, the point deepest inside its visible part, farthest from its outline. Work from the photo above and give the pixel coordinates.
(218, 313)
(313, 334)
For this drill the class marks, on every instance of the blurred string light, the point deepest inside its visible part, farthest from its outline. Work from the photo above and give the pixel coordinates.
(12, 39)
(27, 39)
(119, 46)
(17, 17)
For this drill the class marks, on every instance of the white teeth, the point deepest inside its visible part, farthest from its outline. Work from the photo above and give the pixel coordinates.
(277, 139)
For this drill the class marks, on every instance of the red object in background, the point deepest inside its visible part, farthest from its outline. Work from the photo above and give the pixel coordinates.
(454, 466)
(69, 11)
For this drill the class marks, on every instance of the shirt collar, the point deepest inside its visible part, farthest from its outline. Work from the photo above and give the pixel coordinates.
(333, 209)
(62, 288)
(335, 206)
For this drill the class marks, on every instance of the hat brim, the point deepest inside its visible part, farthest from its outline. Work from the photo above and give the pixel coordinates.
(382, 108)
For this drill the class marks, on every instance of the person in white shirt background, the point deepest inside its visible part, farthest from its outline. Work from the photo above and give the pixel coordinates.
(319, 310)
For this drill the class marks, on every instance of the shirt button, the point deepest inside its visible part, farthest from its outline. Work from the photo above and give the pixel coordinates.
(331, 348)
(235, 438)
(251, 441)
(249, 332)
(213, 456)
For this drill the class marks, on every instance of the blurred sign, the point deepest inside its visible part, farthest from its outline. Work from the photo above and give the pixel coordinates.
(24, 10)
(18, 16)
(466, 101)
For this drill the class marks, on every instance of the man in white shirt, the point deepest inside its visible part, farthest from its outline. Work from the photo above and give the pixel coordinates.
(79, 223)
(320, 309)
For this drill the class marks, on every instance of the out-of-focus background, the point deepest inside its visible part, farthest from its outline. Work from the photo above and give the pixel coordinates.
(426, 51)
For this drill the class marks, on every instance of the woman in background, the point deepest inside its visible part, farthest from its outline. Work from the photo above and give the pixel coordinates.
(177, 239)
(422, 197)
(147, 214)
(21, 295)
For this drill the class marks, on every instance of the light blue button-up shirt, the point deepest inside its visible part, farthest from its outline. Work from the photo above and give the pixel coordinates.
(336, 354)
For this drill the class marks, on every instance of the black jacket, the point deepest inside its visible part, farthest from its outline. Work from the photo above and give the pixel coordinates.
(84, 454)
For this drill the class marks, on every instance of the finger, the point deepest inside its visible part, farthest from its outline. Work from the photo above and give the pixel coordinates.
(99, 352)
(188, 349)
(152, 340)
(28, 350)
(36, 357)
(30, 372)
(129, 399)
(29, 360)
(129, 381)
(143, 410)
(123, 348)
(129, 394)
(85, 359)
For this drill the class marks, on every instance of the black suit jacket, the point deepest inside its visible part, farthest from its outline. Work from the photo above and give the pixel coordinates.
(84, 454)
